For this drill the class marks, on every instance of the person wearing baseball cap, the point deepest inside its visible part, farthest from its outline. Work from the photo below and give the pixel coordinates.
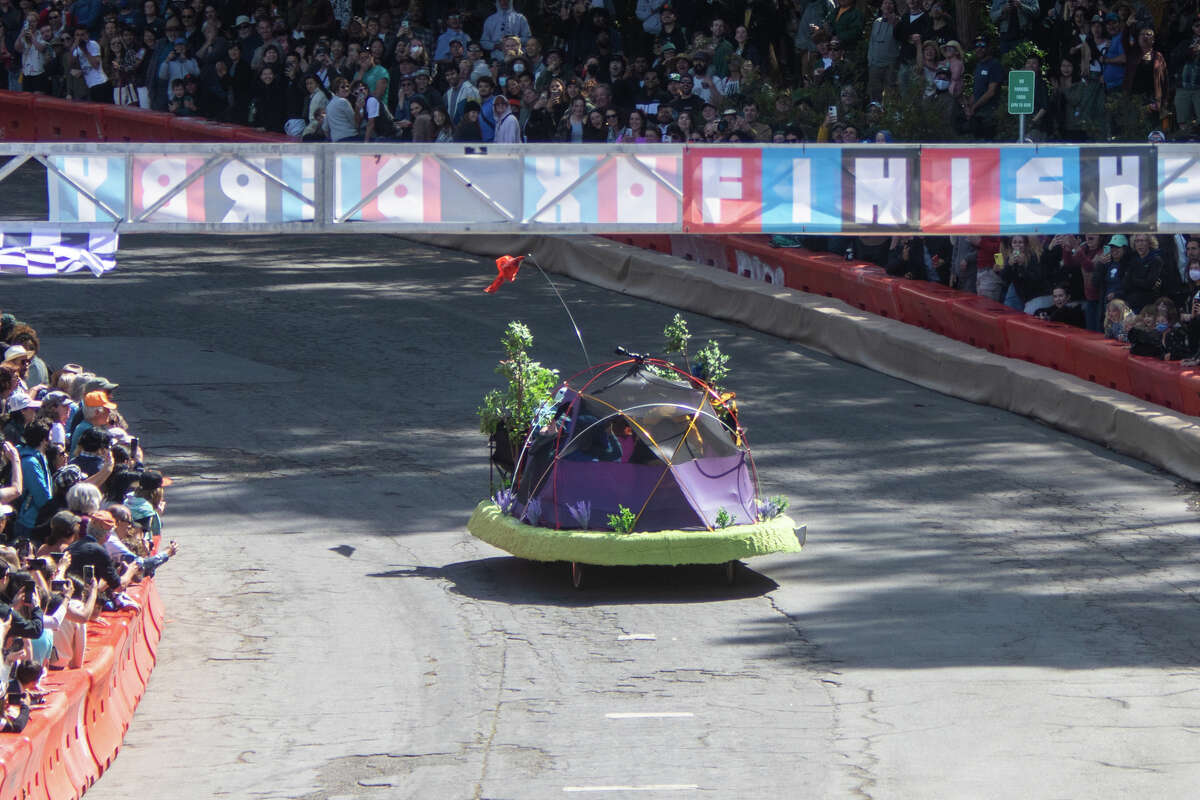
(96, 412)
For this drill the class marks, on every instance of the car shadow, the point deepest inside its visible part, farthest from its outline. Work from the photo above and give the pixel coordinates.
(506, 579)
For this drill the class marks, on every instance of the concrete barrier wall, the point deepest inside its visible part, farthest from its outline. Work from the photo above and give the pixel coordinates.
(1160, 436)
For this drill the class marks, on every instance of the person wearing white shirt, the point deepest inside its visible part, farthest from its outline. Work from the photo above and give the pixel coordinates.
(508, 130)
(34, 46)
(85, 61)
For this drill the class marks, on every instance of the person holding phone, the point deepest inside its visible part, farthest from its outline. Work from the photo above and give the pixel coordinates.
(70, 607)
(88, 556)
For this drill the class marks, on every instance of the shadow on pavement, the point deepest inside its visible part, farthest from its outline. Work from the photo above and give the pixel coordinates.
(505, 579)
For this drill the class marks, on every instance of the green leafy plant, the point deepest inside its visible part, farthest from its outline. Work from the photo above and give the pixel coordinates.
(724, 519)
(529, 385)
(622, 521)
(677, 337)
(714, 365)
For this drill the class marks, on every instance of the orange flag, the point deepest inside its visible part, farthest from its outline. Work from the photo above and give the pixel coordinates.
(507, 266)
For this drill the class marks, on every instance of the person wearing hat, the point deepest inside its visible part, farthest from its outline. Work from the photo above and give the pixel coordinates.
(952, 53)
(86, 550)
(19, 359)
(671, 31)
(983, 108)
(22, 410)
(177, 66)
(468, 128)
(941, 104)
(454, 33)
(97, 408)
(1111, 265)
(1113, 57)
(148, 501)
(508, 130)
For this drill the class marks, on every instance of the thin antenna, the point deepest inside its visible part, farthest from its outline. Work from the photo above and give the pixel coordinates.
(574, 325)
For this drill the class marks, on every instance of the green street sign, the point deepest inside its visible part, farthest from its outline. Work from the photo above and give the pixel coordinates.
(1020, 91)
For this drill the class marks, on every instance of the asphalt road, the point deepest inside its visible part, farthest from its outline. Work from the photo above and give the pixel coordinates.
(986, 607)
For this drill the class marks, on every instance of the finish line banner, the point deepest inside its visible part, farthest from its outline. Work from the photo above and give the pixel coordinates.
(823, 189)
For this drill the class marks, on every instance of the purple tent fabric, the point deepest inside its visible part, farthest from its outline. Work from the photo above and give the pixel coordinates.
(632, 438)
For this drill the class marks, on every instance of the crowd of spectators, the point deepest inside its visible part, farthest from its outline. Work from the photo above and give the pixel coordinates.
(620, 70)
(1141, 289)
(79, 515)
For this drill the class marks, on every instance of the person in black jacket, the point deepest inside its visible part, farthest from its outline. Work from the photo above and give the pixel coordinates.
(1062, 311)
(906, 258)
(1023, 272)
(270, 101)
(1146, 277)
(468, 129)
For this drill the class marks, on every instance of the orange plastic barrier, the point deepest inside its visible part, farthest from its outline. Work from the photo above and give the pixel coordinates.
(58, 120)
(659, 244)
(70, 740)
(128, 124)
(1156, 381)
(1045, 343)
(1101, 360)
(822, 274)
(15, 761)
(1189, 389)
(17, 117)
(927, 305)
(979, 321)
(710, 250)
(105, 715)
(870, 288)
(27, 117)
(46, 774)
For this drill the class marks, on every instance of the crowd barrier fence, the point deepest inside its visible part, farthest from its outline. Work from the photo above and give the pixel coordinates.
(26, 117)
(966, 317)
(73, 738)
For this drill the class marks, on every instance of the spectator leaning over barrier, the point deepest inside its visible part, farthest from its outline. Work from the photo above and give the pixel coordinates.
(125, 543)
(86, 550)
(85, 62)
(148, 501)
(67, 615)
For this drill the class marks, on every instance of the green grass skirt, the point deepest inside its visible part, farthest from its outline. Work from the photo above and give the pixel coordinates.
(606, 548)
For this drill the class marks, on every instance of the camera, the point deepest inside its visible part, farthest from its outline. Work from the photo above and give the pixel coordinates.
(722, 126)
(59, 585)
(39, 564)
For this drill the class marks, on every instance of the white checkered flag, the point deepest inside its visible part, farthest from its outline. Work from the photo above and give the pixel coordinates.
(57, 253)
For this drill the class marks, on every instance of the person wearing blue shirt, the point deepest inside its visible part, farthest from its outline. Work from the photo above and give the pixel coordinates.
(35, 478)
